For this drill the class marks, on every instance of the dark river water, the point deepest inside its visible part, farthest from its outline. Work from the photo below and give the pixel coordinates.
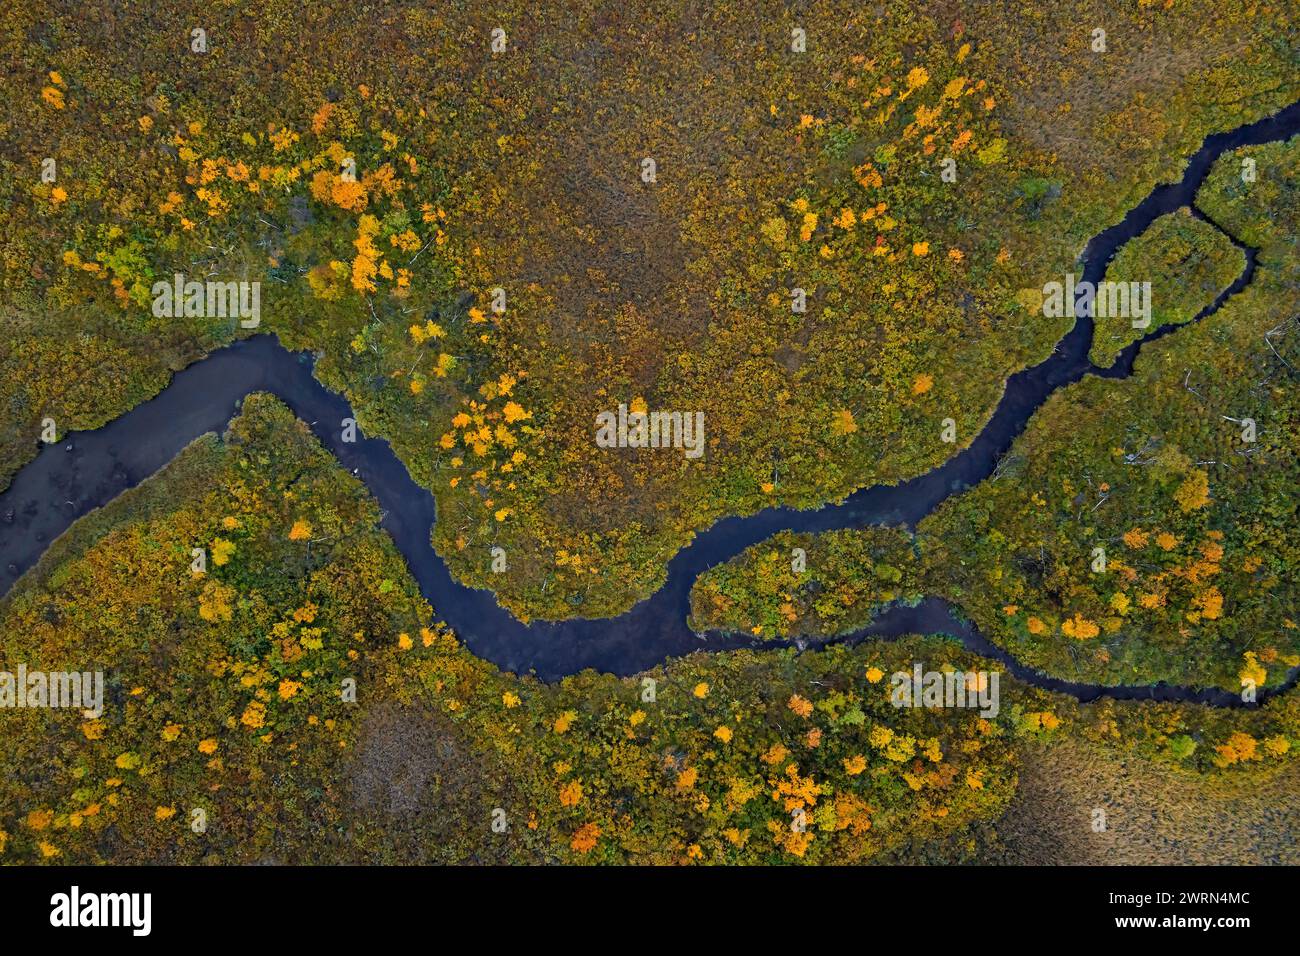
(88, 469)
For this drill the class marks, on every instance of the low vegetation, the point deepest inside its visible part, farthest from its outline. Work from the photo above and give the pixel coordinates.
(1188, 262)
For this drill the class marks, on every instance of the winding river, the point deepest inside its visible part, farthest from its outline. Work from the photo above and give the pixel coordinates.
(87, 469)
